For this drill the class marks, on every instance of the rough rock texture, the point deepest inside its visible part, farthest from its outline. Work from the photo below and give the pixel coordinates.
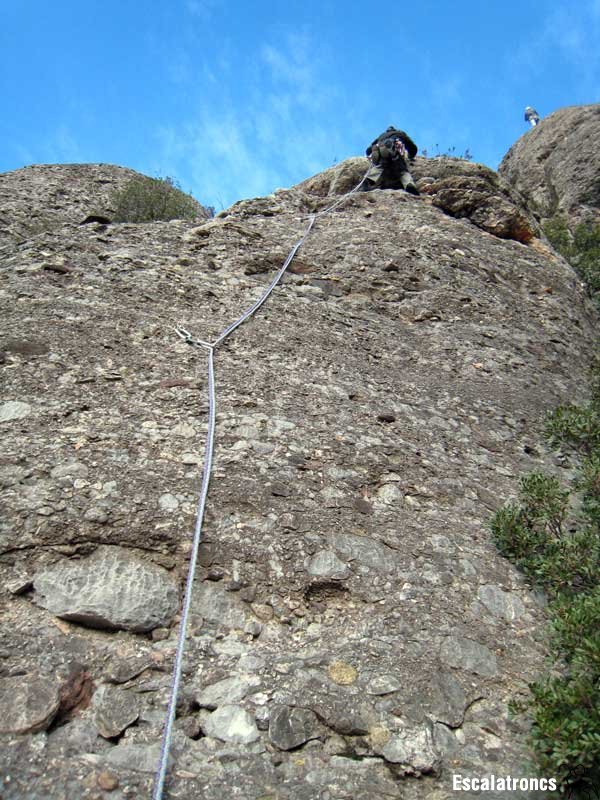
(111, 589)
(114, 710)
(291, 727)
(27, 706)
(556, 165)
(354, 632)
(44, 196)
(458, 187)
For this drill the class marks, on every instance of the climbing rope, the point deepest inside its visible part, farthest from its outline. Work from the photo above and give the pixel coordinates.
(187, 337)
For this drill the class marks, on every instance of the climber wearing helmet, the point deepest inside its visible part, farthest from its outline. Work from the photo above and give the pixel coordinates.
(389, 154)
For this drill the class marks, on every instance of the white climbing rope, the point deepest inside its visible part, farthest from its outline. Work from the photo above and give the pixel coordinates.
(187, 599)
(161, 773)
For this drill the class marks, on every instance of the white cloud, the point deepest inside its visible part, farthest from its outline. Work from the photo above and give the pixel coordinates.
(286, 125)
(301, 69)
(445, 92)
(66, 145)
(24, 155)
(179, 66)
(216, 157)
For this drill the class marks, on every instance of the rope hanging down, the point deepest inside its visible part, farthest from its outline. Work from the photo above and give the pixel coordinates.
(161, 773)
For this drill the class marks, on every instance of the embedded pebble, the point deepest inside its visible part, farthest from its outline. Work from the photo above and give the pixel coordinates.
(290, 727)
(231, 723)
(13, 410)
(110, 589)
(168, 502)
(27, 704)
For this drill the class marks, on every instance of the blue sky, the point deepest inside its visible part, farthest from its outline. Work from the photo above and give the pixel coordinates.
(234, 99)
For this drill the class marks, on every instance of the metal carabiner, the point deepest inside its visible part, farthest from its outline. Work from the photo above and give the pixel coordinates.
(187, 337)
(183, 334)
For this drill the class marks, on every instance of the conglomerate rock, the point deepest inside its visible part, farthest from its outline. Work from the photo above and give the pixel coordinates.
(556, 165)
(42, 197)
(354, 632)
(458, 187)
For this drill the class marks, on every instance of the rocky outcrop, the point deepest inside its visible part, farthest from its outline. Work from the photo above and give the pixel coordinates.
(460, 188)
(555, 165)
(475, 192)
(43, 197)
(354, 632)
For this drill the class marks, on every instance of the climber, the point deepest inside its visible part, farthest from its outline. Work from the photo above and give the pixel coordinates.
(389, 154)
(531, 116)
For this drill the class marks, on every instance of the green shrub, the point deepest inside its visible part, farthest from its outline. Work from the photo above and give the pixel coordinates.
(581, 248)
(146, 199)
(576, 430)
(557, 231)
(566, 726)
(586, 256)
(558, 548)
(575, 626)
(566, 708)
(533, 535)
(571, 427)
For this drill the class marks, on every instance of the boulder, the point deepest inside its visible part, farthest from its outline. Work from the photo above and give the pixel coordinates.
(111, 589)
(27, 704)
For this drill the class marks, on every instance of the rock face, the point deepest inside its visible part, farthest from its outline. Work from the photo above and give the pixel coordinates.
(354, 632)
(27, 706)
(112, 589)
(41, 198)
(458, 187)
(555, 166)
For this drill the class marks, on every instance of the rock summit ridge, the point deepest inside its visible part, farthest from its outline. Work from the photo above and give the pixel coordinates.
(555, 166)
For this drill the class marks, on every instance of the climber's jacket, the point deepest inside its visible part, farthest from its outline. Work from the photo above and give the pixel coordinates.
(383, 146)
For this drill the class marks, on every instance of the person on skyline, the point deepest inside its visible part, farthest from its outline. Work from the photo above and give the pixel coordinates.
(389, 154)
(531, 116)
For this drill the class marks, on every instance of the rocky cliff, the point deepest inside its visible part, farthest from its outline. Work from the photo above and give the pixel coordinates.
(354, 632)
(555, 166)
